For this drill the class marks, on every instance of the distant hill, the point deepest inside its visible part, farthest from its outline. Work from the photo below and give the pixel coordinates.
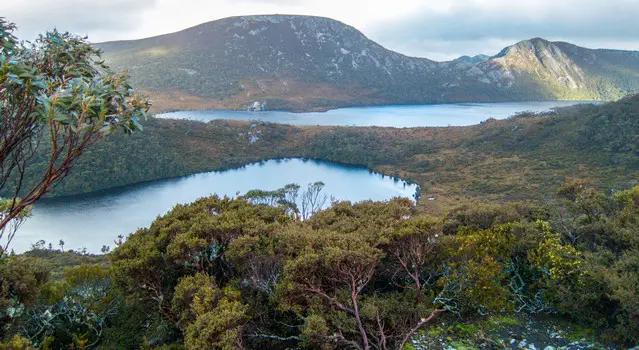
(473, 60)
(314, 63)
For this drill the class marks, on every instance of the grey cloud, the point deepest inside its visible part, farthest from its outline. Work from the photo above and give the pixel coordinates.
(77, 16)
(470, 27)
(586, 21)
(444, 50)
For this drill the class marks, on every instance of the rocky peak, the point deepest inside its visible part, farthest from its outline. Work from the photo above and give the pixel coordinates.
(544, 60)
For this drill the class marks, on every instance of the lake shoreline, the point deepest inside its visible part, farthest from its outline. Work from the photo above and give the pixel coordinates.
(465, 110)
(124, 188)
(86, 220)
(324, 109)
(396, 116)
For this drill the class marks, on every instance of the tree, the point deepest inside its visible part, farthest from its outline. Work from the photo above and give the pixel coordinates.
(56, 97)
(189, 239)
(285, 197)
(412, 246)
(20, 279)
(334, 276)
(475, 276)
(333, 267)
(313, 199)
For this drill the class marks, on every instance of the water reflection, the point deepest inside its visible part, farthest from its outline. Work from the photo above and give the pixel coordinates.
(96, 219)
(458, 114)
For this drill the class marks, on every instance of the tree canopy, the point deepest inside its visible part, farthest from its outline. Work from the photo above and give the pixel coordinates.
(227, 273)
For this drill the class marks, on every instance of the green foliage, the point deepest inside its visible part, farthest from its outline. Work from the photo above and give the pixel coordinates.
(477, 272)
(315, 331)
(556, 260)
(57, 262)
(74, 311)
(226, 273)
(182, 250)
(65, 75)
(211, 318)
(20, 280)
(595, 278)
(17, 343)
(57, 98)
(339, 274)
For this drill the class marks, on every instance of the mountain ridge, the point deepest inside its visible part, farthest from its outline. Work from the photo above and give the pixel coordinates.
(304, 63)
(472, 60)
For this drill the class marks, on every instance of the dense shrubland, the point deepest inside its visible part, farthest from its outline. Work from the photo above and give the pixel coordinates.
(228, 273)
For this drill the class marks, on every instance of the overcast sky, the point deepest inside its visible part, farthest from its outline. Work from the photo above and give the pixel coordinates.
(437, 29)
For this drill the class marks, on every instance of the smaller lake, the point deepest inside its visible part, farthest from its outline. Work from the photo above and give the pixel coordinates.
(457, 114)
(96, 219)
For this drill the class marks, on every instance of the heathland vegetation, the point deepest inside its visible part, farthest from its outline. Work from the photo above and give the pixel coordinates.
(227, 273)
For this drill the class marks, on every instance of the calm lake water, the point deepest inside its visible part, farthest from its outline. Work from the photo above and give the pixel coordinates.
(97, 219)
(459, 114)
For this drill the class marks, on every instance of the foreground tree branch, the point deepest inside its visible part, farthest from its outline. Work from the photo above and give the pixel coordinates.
(419, 325)
(56, 90)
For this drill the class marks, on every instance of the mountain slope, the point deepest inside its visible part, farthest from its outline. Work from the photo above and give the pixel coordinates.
(306, 63)
(564, 71)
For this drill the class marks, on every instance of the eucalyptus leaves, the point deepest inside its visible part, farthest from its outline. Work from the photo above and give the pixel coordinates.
(56, 94)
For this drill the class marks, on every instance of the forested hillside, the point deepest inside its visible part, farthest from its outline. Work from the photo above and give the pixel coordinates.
(524, 157)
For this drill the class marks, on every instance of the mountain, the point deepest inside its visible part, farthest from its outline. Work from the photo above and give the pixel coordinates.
(557, 70)
(314, 63)
(473, 60)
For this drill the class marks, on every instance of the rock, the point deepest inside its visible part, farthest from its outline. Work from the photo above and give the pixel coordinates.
(257, 106)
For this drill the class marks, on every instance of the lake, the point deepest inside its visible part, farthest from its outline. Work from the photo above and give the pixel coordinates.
(96, 219)
(459, 114)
